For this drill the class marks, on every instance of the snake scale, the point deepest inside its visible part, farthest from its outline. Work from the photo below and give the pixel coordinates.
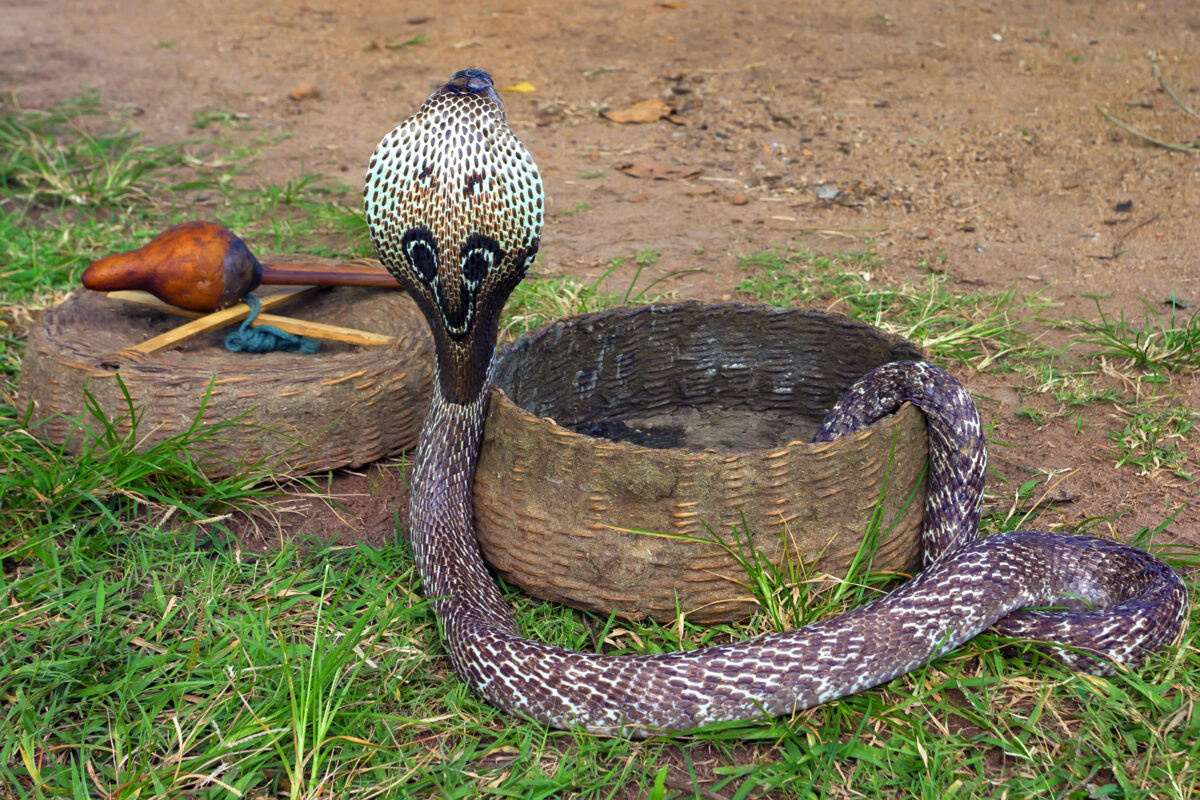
(455, 208)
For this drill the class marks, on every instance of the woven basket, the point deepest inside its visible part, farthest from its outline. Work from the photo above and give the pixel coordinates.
(716, 406)
(343, 406)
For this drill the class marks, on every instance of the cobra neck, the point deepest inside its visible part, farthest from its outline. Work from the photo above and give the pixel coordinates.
(463, 362)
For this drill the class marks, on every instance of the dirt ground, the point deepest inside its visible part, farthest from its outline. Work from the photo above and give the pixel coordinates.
(959, 135)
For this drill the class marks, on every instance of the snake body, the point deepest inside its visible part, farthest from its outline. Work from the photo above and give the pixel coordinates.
(454, 204)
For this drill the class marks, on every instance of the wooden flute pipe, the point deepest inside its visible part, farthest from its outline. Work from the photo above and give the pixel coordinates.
(203, 266)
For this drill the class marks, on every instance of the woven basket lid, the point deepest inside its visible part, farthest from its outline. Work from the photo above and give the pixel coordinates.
(345, 405)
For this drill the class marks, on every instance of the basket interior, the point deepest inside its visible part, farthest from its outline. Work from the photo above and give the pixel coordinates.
(728, 377)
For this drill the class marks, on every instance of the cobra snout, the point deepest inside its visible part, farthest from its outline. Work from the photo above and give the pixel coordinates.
(472, 81)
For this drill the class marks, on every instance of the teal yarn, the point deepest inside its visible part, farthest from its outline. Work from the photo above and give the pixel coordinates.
(265, 338)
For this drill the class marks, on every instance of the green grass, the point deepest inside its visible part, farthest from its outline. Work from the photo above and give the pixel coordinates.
(1162, 343)
(1153, 439)
(76, 184)
(575, 209)
(50, 157)
(143, 653)
(972, 328)
(539, 300)
(411, 41)
(1070, 385)
(202, 119)
(143, 659)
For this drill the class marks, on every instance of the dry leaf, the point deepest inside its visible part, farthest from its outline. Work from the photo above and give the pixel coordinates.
(523, 86)
(140, 642)
(645, 111)
(304, 91)
(659, 172)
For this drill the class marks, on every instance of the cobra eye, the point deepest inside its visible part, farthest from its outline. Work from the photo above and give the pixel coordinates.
(420, 248)
(479, 254)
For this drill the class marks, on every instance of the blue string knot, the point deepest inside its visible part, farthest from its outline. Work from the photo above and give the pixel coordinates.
(265, 338)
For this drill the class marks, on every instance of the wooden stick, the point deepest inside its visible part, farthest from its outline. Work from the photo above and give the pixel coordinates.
(276, 274)
(217, 319)
(300, 327)
(322, 330)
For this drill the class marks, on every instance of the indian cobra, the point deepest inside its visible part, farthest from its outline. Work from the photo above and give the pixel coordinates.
(455, 203)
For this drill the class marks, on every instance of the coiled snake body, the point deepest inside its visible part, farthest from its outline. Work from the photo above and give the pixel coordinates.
(454, 204)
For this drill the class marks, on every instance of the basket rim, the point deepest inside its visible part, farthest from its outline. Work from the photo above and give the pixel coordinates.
(501, 403)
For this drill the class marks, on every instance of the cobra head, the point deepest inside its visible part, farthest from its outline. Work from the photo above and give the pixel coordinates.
(454, 204)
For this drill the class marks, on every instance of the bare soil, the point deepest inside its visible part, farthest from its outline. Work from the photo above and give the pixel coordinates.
(962, 137)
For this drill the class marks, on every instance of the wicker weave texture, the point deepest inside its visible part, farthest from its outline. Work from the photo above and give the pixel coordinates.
(649, 530)
(343, 406)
